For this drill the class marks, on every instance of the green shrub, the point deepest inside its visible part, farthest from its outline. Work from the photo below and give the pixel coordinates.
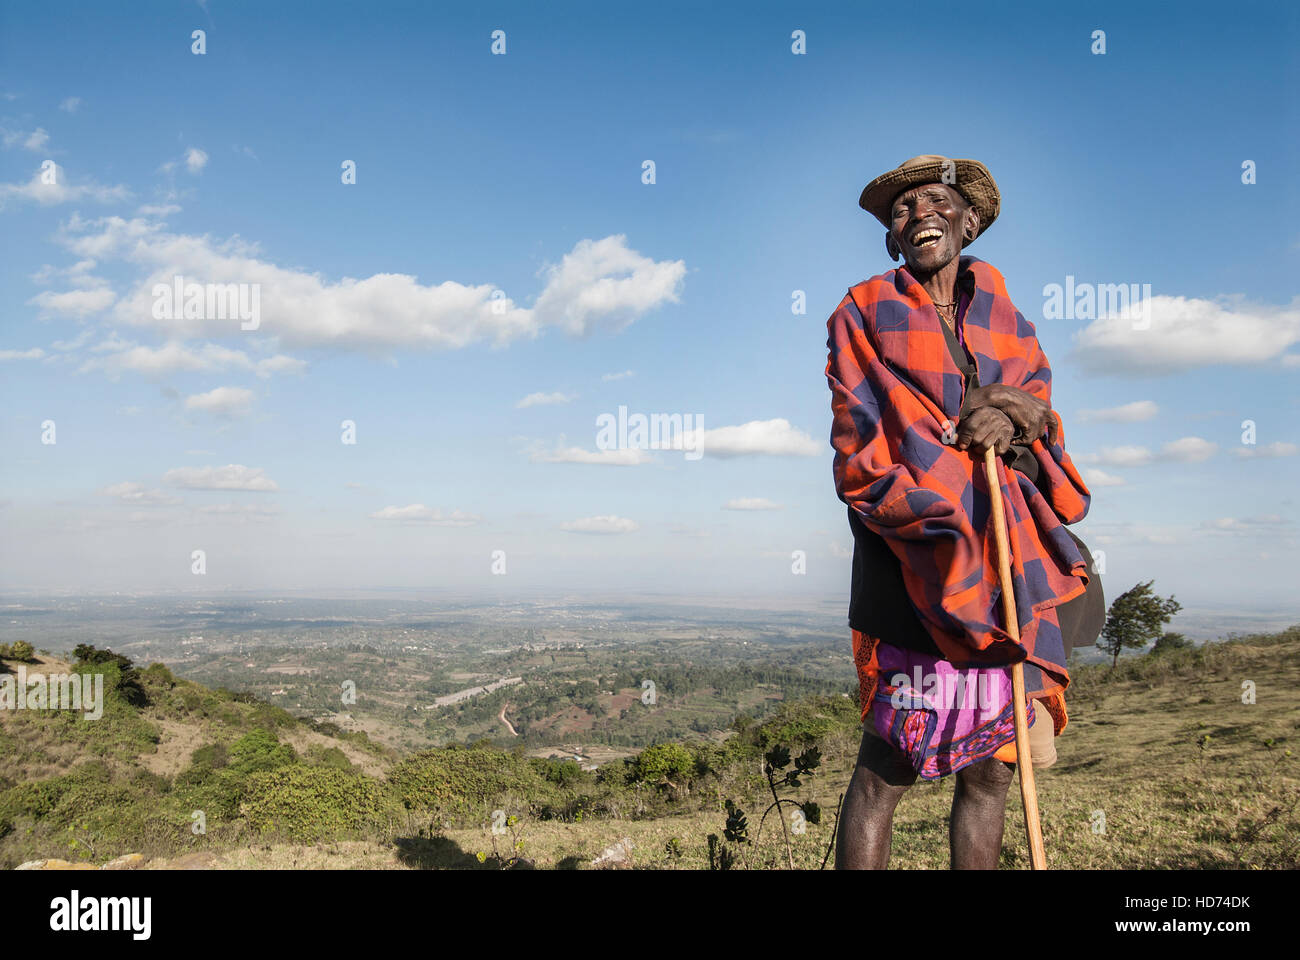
(158, 675)
(120, 675)
(309, 803)
(259, 750)
(34, 799)
(805, 722)
(663, 762)
(563, 773)
(89, 786)
(269, 716)
(122, 731)
(213, 756)
(464, 780)
(324, 756)
(18, 650)
(216, 792)
(191, 701)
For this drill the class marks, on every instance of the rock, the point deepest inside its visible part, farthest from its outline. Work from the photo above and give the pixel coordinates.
(54, 864)
(615, 856)
(129, 861)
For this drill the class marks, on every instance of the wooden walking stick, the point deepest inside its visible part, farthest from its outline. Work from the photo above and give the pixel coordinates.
(1028, 795)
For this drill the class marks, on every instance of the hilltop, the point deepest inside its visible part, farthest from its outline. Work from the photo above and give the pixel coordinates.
(1163, 765)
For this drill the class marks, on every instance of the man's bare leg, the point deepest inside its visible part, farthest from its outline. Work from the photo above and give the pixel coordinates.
(880, 779)
(978, 814)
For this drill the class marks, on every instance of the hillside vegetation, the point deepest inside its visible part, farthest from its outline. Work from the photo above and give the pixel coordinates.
(1163, 765)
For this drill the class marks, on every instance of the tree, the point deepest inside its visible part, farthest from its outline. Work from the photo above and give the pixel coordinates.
(1171, 641)
(127, 681)
(1135, 619)
(663, 764)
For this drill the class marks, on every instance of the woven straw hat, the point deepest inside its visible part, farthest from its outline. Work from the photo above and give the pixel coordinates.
(969, 177)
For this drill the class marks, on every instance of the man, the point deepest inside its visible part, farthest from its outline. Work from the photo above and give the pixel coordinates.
(929, 365)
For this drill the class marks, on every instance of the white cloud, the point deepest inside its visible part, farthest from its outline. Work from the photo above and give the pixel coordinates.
(79, 274)
(1184, 333)
(280, 363)
(92, 293)
(223, 401)
(1183, 450)
(1100, 478)
(1133, 412)
(1105, 534)
(776, 438)
(242, 512)
(60, 191)
(419, 513)
(77, 342)
(34, 141)
(604, 524)
(230, 477)
(159, 210)
(1247, 526)
(1278, 448)
(1128, 456)
(74, 303)
(70, 104)
(601, 283)
(195, 159)
(1188, 450)
(175, 357)
(35, 353)
(604, 283)
(631, 457)
(136, 494)
(545, 399)
(117, 237)
(625, 374)
(751, 503)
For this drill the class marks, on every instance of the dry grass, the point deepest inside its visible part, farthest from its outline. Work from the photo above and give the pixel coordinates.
(1185, 774)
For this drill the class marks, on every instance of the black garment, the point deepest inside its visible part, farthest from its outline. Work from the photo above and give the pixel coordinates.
(878, 600)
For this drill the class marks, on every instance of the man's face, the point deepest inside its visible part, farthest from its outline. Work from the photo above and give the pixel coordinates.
(927, 224)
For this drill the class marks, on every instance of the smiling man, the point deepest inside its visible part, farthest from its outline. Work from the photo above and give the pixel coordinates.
(931, 364)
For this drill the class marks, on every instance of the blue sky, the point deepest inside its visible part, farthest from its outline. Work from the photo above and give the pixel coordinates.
(522, 173)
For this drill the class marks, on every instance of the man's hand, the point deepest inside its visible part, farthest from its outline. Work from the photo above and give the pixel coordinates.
(1029, 415)
(984, 428)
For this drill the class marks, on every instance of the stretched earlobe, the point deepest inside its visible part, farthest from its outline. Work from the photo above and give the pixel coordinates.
(892, 248)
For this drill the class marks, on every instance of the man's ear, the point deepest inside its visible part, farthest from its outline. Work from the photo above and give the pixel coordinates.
(892, 247)
(971, 228)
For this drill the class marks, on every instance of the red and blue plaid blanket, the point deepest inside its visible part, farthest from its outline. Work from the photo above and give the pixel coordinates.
(896, 394)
